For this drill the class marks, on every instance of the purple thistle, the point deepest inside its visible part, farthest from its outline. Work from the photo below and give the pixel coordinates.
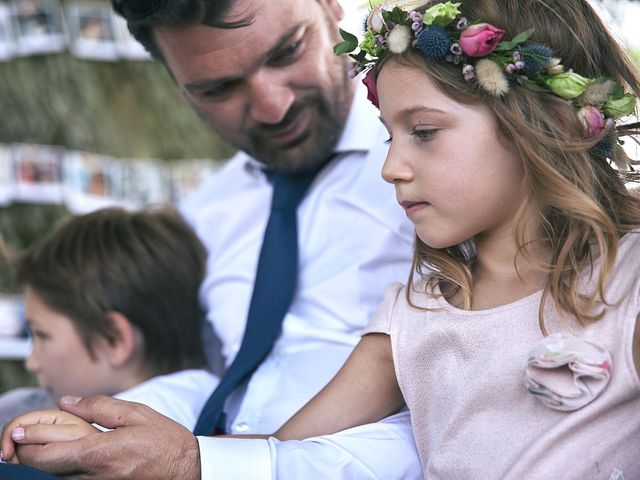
(516, 56)
(416, 27)
(415, 16)
(510, 68)
(536, 57)
(434, 42)
(519, 65)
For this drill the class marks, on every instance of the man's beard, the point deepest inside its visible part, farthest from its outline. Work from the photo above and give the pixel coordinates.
(310, 150)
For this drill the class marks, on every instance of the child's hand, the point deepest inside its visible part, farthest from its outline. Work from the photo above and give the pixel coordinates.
(41, 427)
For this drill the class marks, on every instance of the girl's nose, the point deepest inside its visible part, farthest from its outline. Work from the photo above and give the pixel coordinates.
(396, 169)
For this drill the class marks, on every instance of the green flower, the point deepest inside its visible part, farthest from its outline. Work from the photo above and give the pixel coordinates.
(568, 85)
(620, 107)
(369, 44)
(442, 14)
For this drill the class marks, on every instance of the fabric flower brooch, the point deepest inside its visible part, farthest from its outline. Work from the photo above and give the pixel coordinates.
(566, 373)
(441, 33)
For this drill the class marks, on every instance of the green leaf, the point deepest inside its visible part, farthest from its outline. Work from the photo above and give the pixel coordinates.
(349, 44)
(617, 92)
(360, 57)
(513, 43)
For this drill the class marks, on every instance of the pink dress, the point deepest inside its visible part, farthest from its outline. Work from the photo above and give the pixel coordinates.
(491, 398)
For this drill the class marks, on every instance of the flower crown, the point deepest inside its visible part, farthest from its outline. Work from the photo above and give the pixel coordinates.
(441, 33)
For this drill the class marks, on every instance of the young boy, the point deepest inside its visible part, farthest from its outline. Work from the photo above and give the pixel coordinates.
(111, 299)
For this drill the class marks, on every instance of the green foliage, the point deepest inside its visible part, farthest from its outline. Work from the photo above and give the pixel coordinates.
(124, 109)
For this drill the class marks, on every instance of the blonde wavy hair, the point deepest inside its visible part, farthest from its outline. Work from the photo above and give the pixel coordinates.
(580, 197)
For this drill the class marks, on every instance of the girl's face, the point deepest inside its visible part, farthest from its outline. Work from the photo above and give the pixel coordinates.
(59, 358)
(453, 176)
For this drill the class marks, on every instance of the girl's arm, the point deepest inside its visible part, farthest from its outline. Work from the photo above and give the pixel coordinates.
(363, 391)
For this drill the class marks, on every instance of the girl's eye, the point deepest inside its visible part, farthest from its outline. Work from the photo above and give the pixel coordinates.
(388, 140)
(424, 133)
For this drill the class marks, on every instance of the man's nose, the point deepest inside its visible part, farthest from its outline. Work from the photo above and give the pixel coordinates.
(270, 98)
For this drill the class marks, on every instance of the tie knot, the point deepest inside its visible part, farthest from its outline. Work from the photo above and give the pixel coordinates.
(289, 190)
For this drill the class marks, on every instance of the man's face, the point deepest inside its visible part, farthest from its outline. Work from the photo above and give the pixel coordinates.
(273, 89)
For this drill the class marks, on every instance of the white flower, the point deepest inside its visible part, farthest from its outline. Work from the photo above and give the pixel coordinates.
(375, 21)
(400, 39)
(489, 75)
(555, 67)
(407, 5)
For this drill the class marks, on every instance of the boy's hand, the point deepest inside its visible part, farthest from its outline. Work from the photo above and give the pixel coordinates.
(39, 428)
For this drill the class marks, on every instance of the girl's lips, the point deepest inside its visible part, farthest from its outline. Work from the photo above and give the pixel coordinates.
(412, 208)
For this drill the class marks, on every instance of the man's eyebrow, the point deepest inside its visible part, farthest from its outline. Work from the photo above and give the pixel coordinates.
(201, 85)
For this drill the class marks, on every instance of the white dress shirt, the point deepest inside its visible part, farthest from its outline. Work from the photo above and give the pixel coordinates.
(179, 396)
(353, 240)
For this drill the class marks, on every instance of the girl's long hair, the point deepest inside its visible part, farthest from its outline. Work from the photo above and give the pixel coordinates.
(578, 193)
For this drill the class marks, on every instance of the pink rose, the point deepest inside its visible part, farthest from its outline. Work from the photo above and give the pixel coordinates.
(370, 83)
(480, 40)
(591, 120)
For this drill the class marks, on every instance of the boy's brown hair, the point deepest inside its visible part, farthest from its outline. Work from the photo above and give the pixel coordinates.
(146, 265)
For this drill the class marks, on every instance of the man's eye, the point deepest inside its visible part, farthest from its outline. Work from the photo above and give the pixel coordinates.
(215, 92)
(286, 54)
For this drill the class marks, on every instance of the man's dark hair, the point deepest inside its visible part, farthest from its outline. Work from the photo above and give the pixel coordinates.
(143, 15)
(146, 265)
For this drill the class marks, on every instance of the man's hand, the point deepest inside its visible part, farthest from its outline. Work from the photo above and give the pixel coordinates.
(54, 425)
(141, 445)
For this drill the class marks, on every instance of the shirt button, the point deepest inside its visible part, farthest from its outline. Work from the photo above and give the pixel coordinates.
(242, 427)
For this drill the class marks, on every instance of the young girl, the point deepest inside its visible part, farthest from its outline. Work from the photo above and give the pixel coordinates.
(515, 345)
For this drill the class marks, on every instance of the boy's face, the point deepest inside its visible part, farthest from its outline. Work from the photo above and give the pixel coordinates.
(59, 358)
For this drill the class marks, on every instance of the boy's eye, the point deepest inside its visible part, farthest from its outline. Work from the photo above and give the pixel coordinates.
(37, 334)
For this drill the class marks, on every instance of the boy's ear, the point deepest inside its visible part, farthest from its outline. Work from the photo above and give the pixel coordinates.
(126, 343)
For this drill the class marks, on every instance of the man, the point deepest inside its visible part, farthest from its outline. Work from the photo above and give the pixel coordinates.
(263, 75)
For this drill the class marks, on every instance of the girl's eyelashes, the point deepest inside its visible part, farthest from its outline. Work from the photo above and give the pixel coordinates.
(424, 134)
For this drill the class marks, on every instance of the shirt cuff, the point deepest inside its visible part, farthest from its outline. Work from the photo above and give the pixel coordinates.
(235, 459)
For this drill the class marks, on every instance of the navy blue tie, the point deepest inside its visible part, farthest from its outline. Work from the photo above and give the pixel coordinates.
(273, 291)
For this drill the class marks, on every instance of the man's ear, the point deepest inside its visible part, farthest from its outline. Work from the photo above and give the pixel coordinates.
(126, 342)
(334, 8)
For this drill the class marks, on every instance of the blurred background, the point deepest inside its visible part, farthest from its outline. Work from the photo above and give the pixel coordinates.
(88, 120)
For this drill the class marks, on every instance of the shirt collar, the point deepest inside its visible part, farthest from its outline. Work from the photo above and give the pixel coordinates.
(360, 132)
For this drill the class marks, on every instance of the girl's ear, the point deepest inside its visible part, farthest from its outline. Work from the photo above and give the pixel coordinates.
(126, 343)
